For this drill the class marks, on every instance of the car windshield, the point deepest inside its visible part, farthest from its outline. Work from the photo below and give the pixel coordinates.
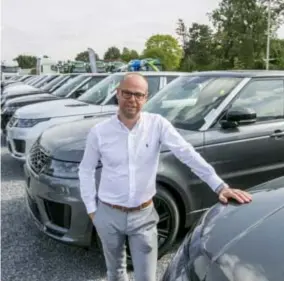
(36, 80)
(53, 83)
(186, 101)
(70, 85)
(97, 94)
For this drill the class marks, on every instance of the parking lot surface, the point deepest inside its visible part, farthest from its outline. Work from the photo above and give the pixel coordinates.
(27, 254)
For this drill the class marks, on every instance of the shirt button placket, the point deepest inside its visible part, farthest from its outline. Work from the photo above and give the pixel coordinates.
(131, 167)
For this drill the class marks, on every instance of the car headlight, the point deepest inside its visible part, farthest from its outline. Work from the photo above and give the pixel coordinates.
(62, 169)
(28, 123)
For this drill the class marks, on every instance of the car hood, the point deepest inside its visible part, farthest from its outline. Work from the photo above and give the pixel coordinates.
(20, 89)
(61, 108)
(29, 99)
(236, 242)
(67, 141)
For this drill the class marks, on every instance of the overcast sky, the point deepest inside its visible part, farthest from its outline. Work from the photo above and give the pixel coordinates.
(63, 28)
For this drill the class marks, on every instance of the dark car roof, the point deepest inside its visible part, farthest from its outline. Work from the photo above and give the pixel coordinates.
(243, 241)
(242, 73)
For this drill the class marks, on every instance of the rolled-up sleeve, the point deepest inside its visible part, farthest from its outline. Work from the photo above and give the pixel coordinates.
(87, 170)
(186, 153)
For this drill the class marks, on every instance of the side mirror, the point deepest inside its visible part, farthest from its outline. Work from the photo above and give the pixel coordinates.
(238, 116)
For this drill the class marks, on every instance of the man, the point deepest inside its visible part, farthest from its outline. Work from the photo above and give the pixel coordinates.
(128, 146)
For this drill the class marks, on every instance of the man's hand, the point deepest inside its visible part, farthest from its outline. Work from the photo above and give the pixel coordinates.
(91, 215)
(231, 193)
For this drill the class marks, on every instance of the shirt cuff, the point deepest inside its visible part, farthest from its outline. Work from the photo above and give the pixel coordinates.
(215, 182)
(91, 207)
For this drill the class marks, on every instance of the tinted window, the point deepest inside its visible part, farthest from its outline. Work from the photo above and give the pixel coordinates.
(186, 101)
(45, 81)
(101, 91)
(171, 78)
(92, 82)
(266, 97)
(50, 86)
(36, 80)
(153, 84)
(70, 85)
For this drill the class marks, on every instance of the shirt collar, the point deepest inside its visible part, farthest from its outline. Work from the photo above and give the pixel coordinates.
(136, 126)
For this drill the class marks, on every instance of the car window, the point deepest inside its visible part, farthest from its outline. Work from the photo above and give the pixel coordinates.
(153, 84)
(65, 89)
(170, 78)
(94, 80)
(187, 100)
(266, 97)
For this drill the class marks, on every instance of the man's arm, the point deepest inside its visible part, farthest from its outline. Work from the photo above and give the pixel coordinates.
(186, 153)
(87, 170)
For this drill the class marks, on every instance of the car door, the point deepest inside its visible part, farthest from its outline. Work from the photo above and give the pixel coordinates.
(250, 154)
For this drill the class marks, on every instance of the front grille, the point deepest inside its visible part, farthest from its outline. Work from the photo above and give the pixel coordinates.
(38, 159)
(20, 146)
(59, 214)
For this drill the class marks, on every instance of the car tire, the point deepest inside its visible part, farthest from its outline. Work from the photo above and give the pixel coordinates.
(163, 201)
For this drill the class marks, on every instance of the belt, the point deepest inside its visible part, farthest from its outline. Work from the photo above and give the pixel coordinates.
(132, 209)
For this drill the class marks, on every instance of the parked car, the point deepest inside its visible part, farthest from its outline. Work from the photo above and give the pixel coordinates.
(6, 114)
(236, 242)
(30, 121)
(74, 86)
(16, 79)
(24, 90)
(235, 121)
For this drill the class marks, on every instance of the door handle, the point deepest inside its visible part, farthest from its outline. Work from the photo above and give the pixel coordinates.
(277, 134)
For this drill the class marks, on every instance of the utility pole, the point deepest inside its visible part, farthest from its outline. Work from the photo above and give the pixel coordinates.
(268, 36)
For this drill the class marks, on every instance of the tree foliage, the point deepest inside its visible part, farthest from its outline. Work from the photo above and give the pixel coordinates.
(166, 48)
(112, 53)
(198, 51)
(26, 61)
(239, 38)
(128, 55)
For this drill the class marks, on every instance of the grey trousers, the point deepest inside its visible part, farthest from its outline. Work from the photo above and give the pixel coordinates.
(113, 226)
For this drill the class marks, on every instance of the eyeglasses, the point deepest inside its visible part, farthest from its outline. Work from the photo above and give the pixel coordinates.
(128, 94)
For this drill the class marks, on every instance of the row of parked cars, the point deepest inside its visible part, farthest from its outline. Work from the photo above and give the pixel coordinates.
(235, 119)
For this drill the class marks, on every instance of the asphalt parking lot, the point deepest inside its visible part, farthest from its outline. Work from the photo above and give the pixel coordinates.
(27, 254)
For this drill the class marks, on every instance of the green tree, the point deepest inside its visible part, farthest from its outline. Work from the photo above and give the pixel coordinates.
(166, 48)
(128, 54)
(182, 33)
(199, 49)
(277, 54)
(112, 53)
(26, 61)
(84, 56)
(241, 27)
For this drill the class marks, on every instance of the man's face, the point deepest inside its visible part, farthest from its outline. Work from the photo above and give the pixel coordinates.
(132, 95)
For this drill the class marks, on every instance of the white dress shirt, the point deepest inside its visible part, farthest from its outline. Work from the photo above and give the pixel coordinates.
(130, 160)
